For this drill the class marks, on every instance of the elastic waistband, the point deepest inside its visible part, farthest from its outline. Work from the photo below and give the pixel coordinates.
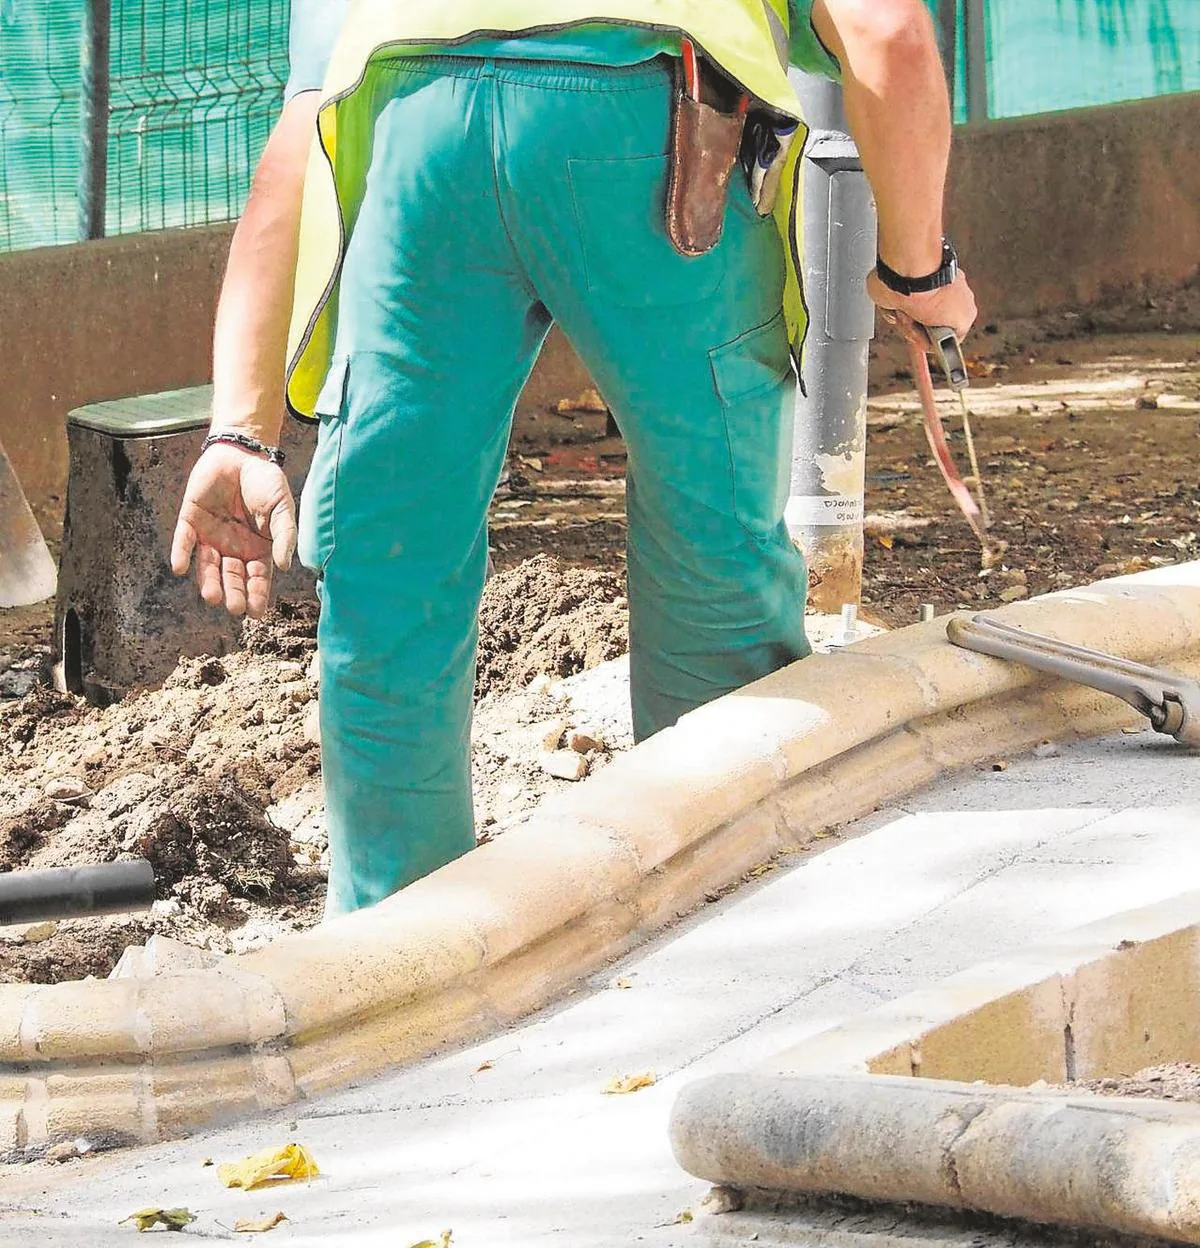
(556, 75)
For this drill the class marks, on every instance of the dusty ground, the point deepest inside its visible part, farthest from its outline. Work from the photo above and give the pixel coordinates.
(1086, 424)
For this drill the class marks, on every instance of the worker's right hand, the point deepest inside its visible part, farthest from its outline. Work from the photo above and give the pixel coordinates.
(952, 305)
(238, 516)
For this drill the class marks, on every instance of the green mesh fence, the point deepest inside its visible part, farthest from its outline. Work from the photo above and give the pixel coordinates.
(195, 84)
(193, 88)
(1038, 56)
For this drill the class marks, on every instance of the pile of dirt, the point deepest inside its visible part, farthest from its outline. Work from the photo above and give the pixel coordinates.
(1174, 1081)
(190, 776)
(543, 618)
(215, 776)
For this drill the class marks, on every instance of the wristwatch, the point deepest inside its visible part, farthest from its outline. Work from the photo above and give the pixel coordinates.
(943, 275)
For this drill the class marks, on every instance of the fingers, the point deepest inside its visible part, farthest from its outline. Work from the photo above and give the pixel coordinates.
(208, 574)
(237, 514)
(242, 587)
(258, 587)
(233, 582)
(283, 532)
(182, 545)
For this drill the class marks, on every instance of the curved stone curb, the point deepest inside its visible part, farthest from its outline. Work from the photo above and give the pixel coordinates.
(1128, 1166)
(506, 928)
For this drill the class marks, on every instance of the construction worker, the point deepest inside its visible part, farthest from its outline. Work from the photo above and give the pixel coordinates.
(482, 169)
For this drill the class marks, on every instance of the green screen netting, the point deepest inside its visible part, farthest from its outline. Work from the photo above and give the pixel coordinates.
(195, 85)
(1047, 55)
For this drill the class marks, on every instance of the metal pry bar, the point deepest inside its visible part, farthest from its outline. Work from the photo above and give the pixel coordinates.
(948, 350)
(949, 355)
(1171, 702)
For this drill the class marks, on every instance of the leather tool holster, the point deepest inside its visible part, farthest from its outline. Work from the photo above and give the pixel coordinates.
(706, 136)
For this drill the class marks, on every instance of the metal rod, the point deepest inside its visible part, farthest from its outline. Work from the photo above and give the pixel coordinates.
(76, 892)
(1169, 700)
(975, 48)
(95, 83)
(825, 506)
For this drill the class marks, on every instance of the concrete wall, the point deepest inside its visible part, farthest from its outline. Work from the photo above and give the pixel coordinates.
(97, 321)
(1046, 211)
(1050, 211)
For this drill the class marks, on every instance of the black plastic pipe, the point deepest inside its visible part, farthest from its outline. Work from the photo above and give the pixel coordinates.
(76, 892)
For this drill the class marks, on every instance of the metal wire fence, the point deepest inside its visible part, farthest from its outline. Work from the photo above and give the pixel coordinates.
(125, 115)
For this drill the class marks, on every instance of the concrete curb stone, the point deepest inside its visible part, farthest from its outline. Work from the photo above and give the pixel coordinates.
(509, 926)
(1120, 1165)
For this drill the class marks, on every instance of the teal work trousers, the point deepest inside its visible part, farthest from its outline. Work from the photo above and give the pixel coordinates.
(502, 196)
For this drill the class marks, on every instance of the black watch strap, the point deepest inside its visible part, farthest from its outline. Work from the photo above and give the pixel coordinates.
(943, 275)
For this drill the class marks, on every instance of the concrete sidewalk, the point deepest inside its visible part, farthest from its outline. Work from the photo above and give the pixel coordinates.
(513, 1140)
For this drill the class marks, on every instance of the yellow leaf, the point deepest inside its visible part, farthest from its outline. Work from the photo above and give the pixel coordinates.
(628, 1083)
(887, 541)
(588, 401)
(292, 1161)
(172, 1219)
(254, 1225)
(623, 983)
(680, 1219)
(444, 1241)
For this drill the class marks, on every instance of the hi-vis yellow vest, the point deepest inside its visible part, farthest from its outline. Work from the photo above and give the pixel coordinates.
(747, 38)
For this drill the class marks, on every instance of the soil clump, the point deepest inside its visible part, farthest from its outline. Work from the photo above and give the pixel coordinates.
(541, 618)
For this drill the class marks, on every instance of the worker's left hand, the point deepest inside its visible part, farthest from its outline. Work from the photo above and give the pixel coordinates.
(239, 517)
(953, 305)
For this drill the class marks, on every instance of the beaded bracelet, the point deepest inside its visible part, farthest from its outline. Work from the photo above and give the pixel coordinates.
(247, 443)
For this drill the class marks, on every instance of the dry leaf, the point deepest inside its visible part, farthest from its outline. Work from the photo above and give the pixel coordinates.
(172, 1219)
(623, 983)
(621, 1084)
(254, 1225)
(588, 401)
(444, 1241)
(1001, 764)
(680, 1219)
(484, 1066)
(292, 1161)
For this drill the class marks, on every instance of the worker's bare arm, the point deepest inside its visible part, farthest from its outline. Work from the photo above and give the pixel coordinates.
(238, 515)
(250, 343)
(899, 114)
